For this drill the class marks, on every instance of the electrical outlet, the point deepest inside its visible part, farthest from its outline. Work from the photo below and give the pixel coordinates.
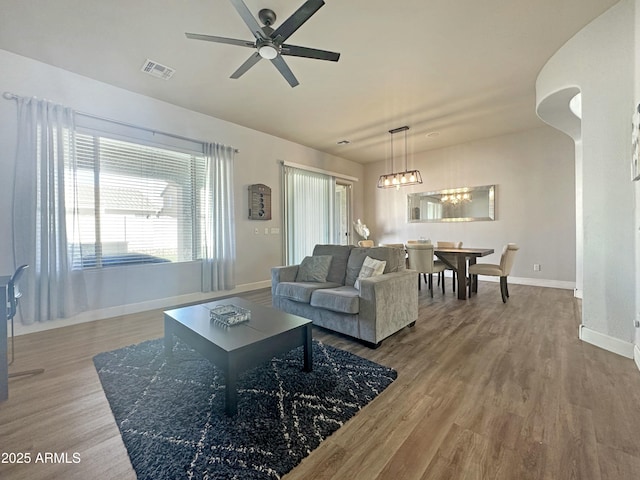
(536, 267)
(266, 230)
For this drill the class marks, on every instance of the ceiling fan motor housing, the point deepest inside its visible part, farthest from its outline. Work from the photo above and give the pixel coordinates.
(267, 48)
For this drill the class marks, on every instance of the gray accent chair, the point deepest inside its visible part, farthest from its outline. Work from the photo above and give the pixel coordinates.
(381, 306)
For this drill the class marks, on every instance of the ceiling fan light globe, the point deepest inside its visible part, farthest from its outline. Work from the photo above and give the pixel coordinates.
(268, 52)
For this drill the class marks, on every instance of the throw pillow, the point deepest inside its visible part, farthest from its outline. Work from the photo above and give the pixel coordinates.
(370, 268)
(314, 269)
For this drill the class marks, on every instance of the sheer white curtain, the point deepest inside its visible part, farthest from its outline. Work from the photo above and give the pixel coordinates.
(308, 211)
(218, 263)
(44, 212)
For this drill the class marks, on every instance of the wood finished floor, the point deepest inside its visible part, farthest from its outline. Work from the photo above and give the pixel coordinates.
(484, 391)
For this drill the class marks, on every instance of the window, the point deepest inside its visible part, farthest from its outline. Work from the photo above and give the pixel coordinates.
(138, 200)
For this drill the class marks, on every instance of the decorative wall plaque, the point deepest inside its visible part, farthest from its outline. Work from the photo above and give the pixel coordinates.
(259, 202)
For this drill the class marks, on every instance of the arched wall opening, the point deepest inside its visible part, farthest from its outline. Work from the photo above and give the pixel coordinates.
(563, 111)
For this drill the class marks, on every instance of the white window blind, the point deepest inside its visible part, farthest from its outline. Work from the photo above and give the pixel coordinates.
(137, 202)
(308, 211)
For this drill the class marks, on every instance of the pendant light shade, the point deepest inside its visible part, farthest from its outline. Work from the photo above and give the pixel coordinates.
(399, 179)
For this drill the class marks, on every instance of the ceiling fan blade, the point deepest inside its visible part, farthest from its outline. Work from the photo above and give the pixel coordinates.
(248, 18)
(296, 51)
(251, 61)
(284, 69)
(212, 38)
(295, 21)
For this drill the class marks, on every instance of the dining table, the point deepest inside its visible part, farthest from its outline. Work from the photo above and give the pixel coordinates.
(456, 259)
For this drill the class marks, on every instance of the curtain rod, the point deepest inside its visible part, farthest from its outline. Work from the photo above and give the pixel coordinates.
(319, 170)
(13, 96)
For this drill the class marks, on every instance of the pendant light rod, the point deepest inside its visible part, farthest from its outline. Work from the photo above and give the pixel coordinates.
(393, 131)
(393, 170)
(405, 150)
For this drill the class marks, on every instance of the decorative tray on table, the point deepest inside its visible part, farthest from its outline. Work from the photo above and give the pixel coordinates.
(229, 315)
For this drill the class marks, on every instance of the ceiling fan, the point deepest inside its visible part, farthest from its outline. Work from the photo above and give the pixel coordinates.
(269, 43)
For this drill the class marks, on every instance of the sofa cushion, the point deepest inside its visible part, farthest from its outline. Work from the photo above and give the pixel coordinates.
(314, 269)
(393, 256)
(370, 268)
(340, 254)
(340, 299)
(301, 291)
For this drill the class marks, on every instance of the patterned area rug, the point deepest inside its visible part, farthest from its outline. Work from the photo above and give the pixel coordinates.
(172, 421)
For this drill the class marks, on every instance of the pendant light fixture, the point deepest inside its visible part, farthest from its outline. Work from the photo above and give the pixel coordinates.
(399, 179)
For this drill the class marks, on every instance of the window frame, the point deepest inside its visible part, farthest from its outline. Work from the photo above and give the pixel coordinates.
(99, 129)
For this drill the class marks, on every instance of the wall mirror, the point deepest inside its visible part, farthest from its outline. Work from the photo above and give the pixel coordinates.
(465, 204)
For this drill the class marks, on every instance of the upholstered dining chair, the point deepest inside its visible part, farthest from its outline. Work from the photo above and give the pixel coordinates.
(502, 270)
(366, 243)
(453, 272)
(13, 296)
(420, 259)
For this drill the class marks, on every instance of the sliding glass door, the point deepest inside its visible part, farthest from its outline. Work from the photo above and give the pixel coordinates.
(308, 212)
(343, 213)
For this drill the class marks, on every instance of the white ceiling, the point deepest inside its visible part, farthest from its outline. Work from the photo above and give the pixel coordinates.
(463, 68)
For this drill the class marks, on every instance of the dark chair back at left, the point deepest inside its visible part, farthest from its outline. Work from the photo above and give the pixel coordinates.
(13, 296)
(13, 292)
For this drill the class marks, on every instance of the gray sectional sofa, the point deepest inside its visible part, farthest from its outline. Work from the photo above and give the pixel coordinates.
(380, 305)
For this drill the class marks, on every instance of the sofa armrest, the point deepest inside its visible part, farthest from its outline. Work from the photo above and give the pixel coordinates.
(282, 274)
(388, 303)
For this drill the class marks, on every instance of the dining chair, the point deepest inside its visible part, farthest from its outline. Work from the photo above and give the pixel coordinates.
(366, 243)
(420, 259)
(501, 270)
(453, 272)
(13, 296)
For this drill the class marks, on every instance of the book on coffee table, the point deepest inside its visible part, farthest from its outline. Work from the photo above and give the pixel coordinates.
(229, 315)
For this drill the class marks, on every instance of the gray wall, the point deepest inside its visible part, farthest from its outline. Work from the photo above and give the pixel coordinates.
(535, 207)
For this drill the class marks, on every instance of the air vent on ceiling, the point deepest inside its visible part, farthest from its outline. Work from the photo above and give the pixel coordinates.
(157, 70)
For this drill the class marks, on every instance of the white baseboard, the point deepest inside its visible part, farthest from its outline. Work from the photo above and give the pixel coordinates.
(636, 355)
(611, 344)
(119, 310)
(534, 282)
(577, 293)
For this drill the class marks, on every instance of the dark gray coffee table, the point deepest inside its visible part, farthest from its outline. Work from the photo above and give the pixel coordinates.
(241, 347)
